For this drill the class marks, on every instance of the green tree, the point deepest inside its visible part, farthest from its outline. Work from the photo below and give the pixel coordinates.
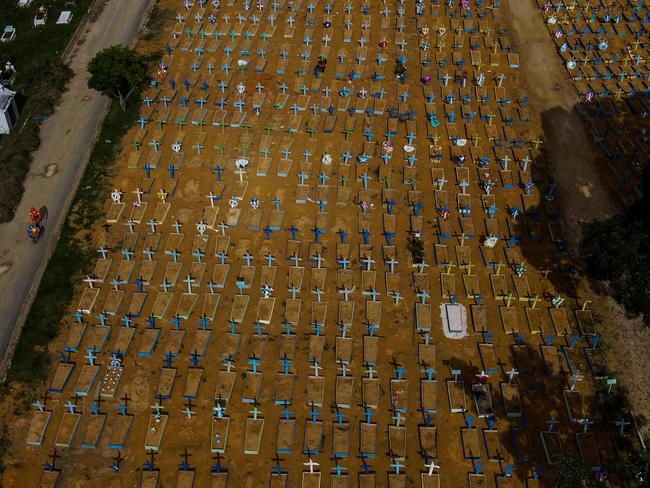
(617, 250)
(117, 71)
(635, 468)
(571, 473)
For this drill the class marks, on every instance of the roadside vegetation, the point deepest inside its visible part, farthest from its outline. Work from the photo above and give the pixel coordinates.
(74, 253)
(41, 78)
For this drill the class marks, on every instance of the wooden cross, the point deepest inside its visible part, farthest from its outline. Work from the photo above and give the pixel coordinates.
(468, 268)
(508, 298)
(449, 267)
(534, 301)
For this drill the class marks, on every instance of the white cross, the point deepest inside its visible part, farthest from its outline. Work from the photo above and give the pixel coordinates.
(371, 372)
(90, 281)
(395, 296)
(241, 172)
(317, 367)
(138, 194)
(511, 374)
(311, 465)
(431, 466)
(441, 182)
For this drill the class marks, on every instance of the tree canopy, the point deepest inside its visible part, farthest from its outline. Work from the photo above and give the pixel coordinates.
(617, 250)
(117, 71)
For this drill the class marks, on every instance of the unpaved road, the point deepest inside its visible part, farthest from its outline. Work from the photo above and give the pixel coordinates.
(67, 138)
(553, 98)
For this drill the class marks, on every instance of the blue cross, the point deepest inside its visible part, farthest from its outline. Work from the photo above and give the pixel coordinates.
(286, 412)
(286, 364)
(168, 359)
(126, 319)
(366, 235)
(317, 233)
(368, 414)
(177, 322)
(260, 327)
(195, 358)
(94, 408)
(595, 342)
(218, 169)
(102, 318)
(203, 322)
(139, 283)
(430, 372)
(574, 340)
(317, 327)
(314, 414)
(339, 417)
(198, 254)
(293, 231)
(254, 362)
(233, 326)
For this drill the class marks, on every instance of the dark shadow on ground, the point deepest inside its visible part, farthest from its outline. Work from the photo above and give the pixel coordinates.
(620, 132)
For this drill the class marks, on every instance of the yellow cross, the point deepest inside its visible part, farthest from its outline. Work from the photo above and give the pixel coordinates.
(162, 194)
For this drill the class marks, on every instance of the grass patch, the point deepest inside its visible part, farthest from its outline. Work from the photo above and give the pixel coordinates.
(5, 443)
(157, 22)
(40, 81)
(74, 252)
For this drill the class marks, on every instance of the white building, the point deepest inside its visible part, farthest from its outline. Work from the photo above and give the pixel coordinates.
(8, 110)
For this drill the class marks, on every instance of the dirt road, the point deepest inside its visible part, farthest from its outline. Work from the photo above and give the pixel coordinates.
(67, 138)
(568, 145)
(582, 192)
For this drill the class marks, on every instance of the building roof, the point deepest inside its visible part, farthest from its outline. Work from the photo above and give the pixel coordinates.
(6, 96)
